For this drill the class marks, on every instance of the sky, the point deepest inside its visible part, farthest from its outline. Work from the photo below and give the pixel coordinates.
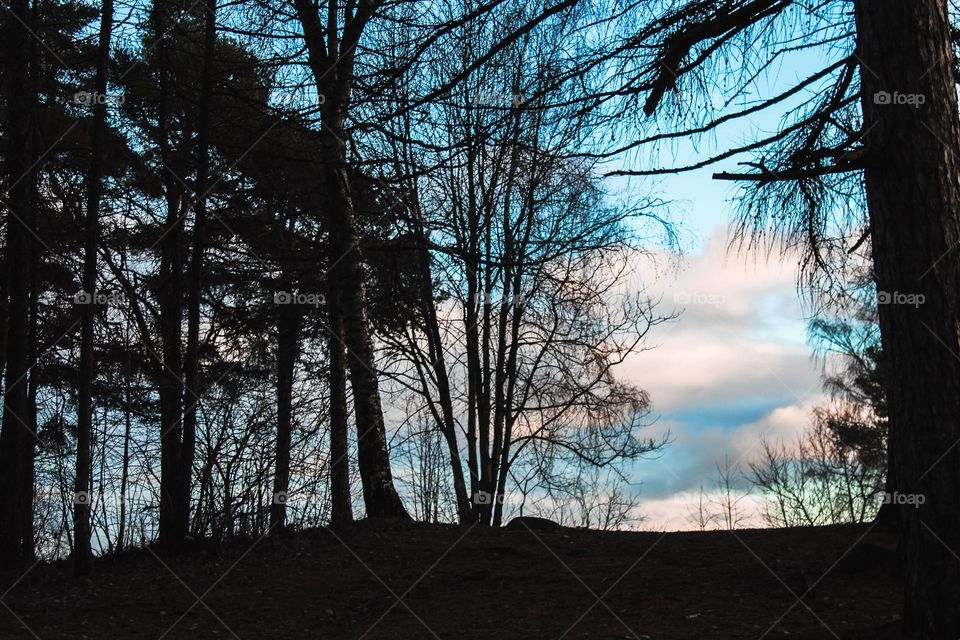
(733, 367)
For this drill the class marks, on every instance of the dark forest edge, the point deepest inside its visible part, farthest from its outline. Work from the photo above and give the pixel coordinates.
(271, 266)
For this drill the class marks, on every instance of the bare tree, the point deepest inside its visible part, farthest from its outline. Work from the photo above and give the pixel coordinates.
(729, 495)
(523, 315)
(83, 557)
(700, 514)
(331, 47)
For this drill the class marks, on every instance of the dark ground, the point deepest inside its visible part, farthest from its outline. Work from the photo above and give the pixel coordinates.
(457, 582)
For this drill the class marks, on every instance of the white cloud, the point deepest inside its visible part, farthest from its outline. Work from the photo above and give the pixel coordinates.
(680, 512)
(733, 368)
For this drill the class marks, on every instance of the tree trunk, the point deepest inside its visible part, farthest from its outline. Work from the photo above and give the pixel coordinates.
(889, 515)
(484, 414)
(173, 527)
(191, 377)
(448, 425)
(471, 318)
(3, 313)
(125, 470)
(174, 513)
(913, 195)
(16, 437)
(331, 61)
(341, 507)
(288, 339)
(33, 384)
(82, 554)
(373, 458)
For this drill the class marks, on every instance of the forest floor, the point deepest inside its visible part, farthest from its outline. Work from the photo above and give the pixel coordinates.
(412, 581)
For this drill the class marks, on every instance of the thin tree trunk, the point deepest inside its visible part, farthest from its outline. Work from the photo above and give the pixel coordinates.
(502, 453)
(472, 341)
(288, 339)
(3, 313)
(476, 423)
(435, 342)
(510, 308)
(82, 554)
(125, 470)
(192, 390)
(33, 346)
(341, 507)
(484, 417)
(913, 195)
(485, 424)
(446, 421)
(102, 481)
(28, 474)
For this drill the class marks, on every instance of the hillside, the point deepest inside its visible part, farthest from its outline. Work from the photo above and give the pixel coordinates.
(458, 582)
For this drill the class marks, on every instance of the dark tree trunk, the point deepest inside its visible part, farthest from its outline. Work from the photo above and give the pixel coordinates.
(192, 387)
(373, 458)
(474, 377)
(3, 313)
(448, 425)
(331, 60)
(125, 469)
(484, 375)
(17, 438)
(288, 339)
(889, 515)
(30, 458)
(174, 512)
(913, 194)
(484, 417)
(341, 507)
(82, 554)
(503, 450)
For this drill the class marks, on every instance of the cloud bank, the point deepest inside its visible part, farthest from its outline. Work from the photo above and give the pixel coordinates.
(733, 368)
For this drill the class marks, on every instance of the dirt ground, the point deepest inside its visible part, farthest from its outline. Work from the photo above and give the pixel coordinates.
(391, 581)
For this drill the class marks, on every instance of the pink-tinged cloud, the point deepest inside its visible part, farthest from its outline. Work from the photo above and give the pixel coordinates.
(734, 367)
